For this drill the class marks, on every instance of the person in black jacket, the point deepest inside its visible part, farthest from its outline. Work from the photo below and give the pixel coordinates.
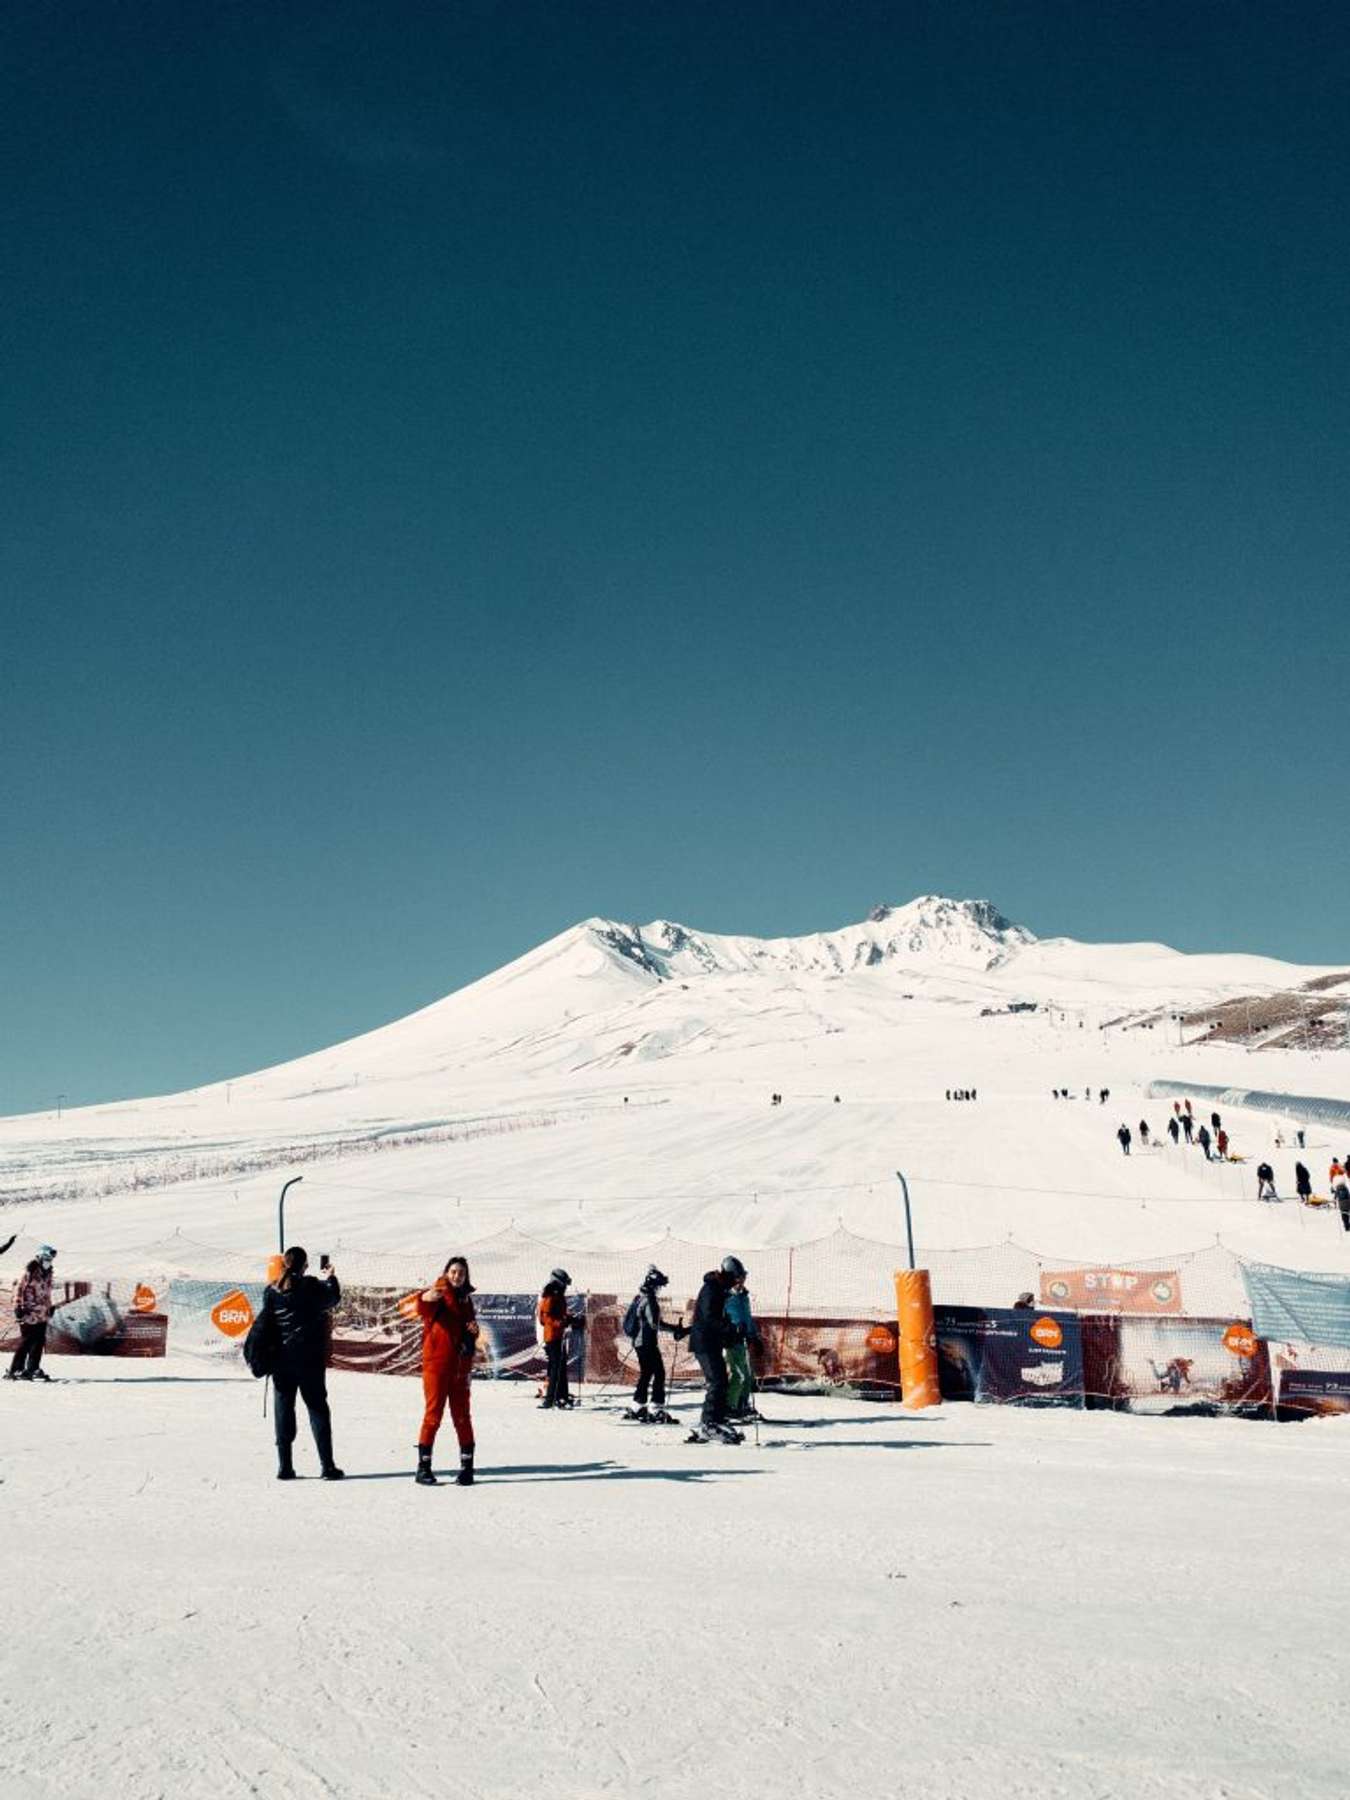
(709, 1336)
(296, 1307)
(647, 1344)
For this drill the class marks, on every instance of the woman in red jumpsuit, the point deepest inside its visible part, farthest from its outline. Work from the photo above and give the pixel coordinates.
(449, 1339)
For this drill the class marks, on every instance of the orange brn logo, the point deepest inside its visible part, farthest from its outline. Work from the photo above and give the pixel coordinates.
(880, 1341)
(1240, 1339)
(144, 1300)
(233, 1315)
(1047, 1333)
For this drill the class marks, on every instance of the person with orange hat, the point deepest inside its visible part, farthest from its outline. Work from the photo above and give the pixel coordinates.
(449, 1340)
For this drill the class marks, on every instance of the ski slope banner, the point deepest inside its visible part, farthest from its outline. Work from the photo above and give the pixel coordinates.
(210, 1319)
(378, 1331)
(1105, 1289)
(829, 1356)
(1174, 1365)
(997, 1356)
(1309, 1309)
(105, 1318)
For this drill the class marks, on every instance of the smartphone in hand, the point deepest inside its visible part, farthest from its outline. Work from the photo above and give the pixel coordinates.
(325, 1261)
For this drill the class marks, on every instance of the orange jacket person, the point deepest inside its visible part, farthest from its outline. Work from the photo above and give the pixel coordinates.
(449, 1339)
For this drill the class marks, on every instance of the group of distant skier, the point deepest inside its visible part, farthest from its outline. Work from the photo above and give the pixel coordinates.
(962, 1093)
(1103, 1094)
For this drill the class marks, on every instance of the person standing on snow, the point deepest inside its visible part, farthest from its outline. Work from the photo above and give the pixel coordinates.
(709, 1336)
(1202, 1138)
(449, 1340)
(32, 1311)
(1341, 1195)
(1187, 1125)
(554, 1323)
(1221, 1144)
(645, 1313)
(1302, 1183)
(1143, 1132)
(296, 1307)
(743, 1333)
(1124, 1135)
(1173, 1129)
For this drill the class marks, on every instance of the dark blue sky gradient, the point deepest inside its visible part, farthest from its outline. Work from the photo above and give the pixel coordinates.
(466, 467)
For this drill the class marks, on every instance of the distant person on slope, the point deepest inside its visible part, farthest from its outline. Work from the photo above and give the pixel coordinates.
(1143, 1132)
(644, 1314)
(1124, 1135)
(32, 1311)
(1202, 1138)
(709, 1336)
(1188, 1126)
(1302, 1183)
(1265, 1182)
(449, 1340)
(297, 1306)
(1173, 1129)
(1221, 1144)
(1341, 1195)
(554, 1323)
(743, 1333)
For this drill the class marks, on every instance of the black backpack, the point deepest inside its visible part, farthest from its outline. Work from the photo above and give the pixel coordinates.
(632, 1319)
(260, 1346)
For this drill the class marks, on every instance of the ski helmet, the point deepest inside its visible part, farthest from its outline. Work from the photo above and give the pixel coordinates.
(560, 1275)
(46, 1253)
(655, 1278)
(733, 1266)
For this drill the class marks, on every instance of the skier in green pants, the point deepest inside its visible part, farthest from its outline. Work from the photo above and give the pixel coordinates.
(744, 1332)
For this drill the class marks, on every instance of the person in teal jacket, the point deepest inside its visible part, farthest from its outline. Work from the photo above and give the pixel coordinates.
(744, 1332)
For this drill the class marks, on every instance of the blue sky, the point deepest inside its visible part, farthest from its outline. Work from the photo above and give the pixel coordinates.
(468, 467)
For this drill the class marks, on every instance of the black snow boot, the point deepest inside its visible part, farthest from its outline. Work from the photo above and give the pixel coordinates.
(424, 1476)
(331, 1472)
(285, 1467)
(465, 1476)
(638, 1415)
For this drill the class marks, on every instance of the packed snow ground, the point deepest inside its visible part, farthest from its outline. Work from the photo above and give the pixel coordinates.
(960, 1603)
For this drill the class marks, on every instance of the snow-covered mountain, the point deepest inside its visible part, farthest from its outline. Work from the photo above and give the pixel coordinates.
(628, 1067)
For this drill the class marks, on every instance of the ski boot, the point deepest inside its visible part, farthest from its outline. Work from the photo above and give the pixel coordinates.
(333, 1473)
(465, 1476)
(727, 1433)
(424, 1476)
(659, 1416)
(638, 1415)
(39, 1375)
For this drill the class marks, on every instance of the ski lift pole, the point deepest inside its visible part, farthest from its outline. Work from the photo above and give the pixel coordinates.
(281, 1214)
(914, 1325)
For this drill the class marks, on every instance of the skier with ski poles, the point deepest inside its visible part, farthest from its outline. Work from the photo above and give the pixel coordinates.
(449, 1340)
(643, 1324)
(709, 1336)
(295, 1309)
(32, 1311)
(554, 1323)
(744, 1332)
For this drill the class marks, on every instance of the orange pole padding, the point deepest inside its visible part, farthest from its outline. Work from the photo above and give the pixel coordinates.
(275, 1264)
(918, 1339)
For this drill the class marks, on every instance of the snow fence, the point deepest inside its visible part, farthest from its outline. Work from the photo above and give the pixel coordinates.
(1161, 1334)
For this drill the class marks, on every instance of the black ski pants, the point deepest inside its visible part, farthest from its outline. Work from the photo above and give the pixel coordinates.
(311, 1383)
(555, 1355)
(651, 1373)
(714, 1366)
(28, 1357)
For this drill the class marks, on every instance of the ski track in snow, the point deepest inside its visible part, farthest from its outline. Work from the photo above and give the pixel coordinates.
(954, 1604)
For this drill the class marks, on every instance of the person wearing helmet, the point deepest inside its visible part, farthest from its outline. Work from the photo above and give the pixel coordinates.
(32, 1310)
(644, 1314)
(709, 1336)
(744, 1333)
(554, 1323)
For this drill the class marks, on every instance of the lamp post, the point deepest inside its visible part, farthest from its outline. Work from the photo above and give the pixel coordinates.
(281, 1212)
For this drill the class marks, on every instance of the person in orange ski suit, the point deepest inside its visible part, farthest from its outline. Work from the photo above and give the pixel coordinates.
(449, 1340)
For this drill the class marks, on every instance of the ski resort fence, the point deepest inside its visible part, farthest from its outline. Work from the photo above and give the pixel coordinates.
(1163, 1333)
